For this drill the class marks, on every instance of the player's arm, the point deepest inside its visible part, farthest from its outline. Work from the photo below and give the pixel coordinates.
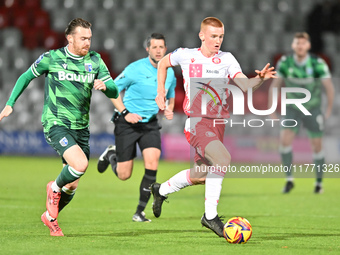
(329, 88)
(19, 87)
(169, 110)
(104, 82)
(244, 83)
(162, 69)
(129, 117)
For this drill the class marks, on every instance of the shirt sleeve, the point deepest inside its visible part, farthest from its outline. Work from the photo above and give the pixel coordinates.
(280, 69)
(322, 69)
(171, 91)
(104, 75)
(124, 79)
(39, 67)
(20, 86)
(234, 67)
(175, 56)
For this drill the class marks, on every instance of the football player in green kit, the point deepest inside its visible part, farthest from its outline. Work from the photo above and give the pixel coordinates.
(310, 72)
(71, 73)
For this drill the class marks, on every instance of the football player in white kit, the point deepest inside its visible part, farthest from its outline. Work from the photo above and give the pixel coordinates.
(207, 139)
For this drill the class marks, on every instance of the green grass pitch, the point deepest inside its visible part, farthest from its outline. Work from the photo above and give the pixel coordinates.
(98, 220)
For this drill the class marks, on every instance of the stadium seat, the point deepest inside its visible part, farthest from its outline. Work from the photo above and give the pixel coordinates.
(41, 19)
(31, 4)
(230, 5)
(90, 4)
(191, 40)
(270, 42)
(239, 21)
(174, 41)
(258, 22)
(169, 6)
(32, 38)
(22, 19)
(5, 17)
(12, 4)
(21, 59)
(266, 6)
(251, 41)
(121, 59)
(248, 6)
(190, 5)
(233, 42)
(52, 39)
(109, 4)
(142, 20)
(51, 5)
(60, 19)
(5, 59)
(276, 21)
(122, 20)
(103, 19)
(151, 5)
(161, 21)
(12, 38)
(179, 20)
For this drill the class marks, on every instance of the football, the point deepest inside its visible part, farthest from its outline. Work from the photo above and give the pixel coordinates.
(237, 230)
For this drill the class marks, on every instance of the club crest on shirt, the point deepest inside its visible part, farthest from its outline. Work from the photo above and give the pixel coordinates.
(88, 67)
(209, 134)
(216, 60)
(63, 142)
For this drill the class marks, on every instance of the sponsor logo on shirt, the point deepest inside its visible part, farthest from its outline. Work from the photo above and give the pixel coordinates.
(195, 70)
(193, 60)
(212, 71)
(62, 76)
(64, 65)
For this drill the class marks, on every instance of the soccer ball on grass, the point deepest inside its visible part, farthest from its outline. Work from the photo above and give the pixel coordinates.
(237, 230)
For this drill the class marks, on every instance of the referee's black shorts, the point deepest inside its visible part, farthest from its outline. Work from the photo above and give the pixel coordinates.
(127, 136)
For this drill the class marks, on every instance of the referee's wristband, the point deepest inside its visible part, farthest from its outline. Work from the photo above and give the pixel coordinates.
(125, 112)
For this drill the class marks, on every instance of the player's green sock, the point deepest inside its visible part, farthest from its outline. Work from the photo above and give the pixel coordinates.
(287, 159)
(319, 160)
(66, 197)
(68, 174)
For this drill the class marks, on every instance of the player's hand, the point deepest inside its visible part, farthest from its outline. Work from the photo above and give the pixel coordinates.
(6, 112)
(160, 100)
(266, 73)
(132, 118)
(168, 114)
(99, 85)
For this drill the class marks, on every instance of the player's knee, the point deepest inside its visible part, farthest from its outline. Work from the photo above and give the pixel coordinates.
(123, 176)
(80, 165)
(197, 181)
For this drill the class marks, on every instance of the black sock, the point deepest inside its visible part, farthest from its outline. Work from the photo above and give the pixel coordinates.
(65, 199)
(113, 161)
(144, 189)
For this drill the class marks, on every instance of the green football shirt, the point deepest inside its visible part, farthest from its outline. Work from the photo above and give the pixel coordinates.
(68, 86)
(307, 75)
